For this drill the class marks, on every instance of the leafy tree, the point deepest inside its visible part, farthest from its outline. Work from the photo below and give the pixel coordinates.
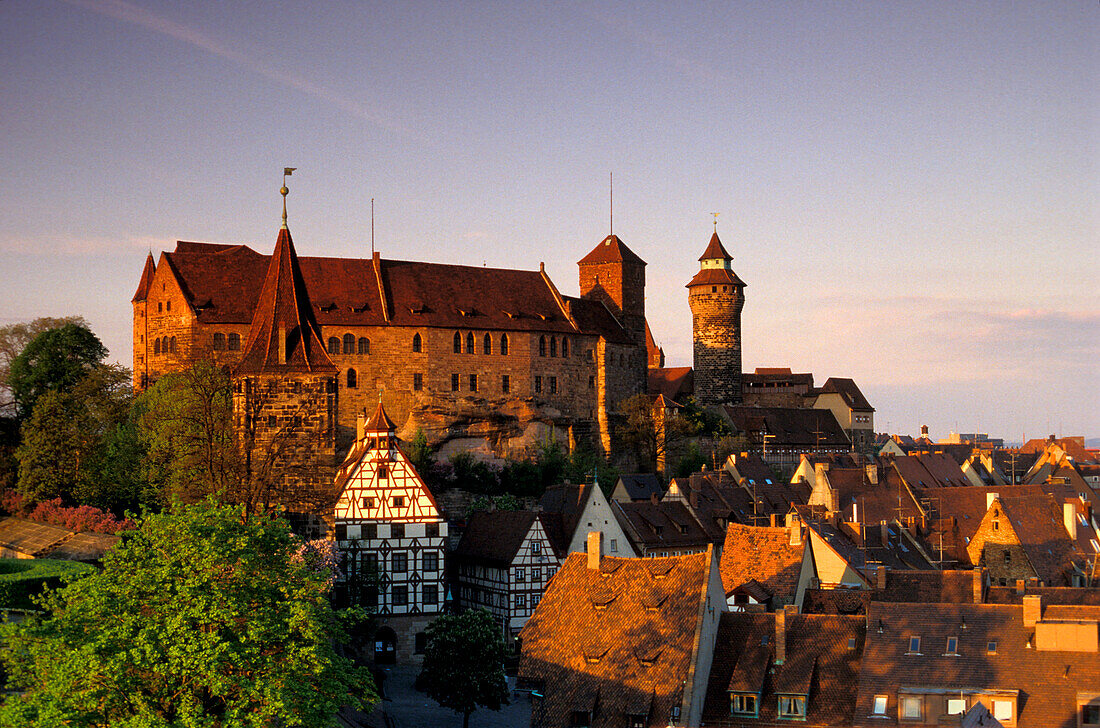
(200, 618)
(13, 339)
(57, 359)
(464, 663)
(707, 423)
(652, 437)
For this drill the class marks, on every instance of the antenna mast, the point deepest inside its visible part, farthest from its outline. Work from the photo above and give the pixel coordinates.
(372, 227)
(611, 205)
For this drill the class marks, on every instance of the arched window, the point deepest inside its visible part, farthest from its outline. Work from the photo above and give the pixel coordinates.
(469, 342)
(364, 345)
(167, 305)
(333, 345)
(542, 346)
(487, 345)
(553, 346)
(172, 344)
(234, 342)
(418, 343)
(349, 343)
(504, 344)
(156, 346)
(219, 342)
(564, 347)
(353, 379)
(458, 343)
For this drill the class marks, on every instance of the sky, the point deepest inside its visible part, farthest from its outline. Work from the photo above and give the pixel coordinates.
(909, 189)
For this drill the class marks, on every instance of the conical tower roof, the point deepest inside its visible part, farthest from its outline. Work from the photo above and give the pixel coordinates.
(284, 308)
(379, 421)
(715, 266)
(611, 250)
(715, 250)
(142, 291)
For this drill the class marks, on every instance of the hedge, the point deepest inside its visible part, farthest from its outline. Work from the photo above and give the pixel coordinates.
(22, 578)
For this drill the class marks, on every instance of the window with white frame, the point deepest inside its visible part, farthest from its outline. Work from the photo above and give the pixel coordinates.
(792, 706)
(879, 706)
(1002, 710)
(956, 706)
(910, 707)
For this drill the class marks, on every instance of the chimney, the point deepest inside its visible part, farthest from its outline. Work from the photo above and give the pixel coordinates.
(884, 532)
(924, 430)
(1033, 609)
(880, 575)
(977, 584)
(1020, 586)
(872, 473)
(780, 636)
(795, 532)
(773, 518)
(989, 498)
(360, 425)
(1069, 518)
(595, 545)
(282, 343)
(819, 472)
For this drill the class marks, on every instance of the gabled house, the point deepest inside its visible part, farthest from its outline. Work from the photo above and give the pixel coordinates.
(765, 566)
(855, 414)
(636, 487)
(503, 563)
(623, 642)
(571, 512)
(662, 528)
(391, 536)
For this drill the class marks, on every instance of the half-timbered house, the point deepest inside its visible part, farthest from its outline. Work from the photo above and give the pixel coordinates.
(503, 563)
(391, 535)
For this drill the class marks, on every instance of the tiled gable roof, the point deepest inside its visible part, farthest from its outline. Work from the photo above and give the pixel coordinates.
(902, 585)
(675, 383)
(1048, 681)
(822, 661)
(666, 524)
(715, 277)
(848, 390)
(563, 505)
(610, 250)
(146, 280)
(763, 554)
(792, 426)
(640, 486)
(617, 640)
(1037, 521)
(495, 536)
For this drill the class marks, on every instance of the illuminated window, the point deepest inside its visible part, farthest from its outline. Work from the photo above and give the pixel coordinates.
(880, 705)
(792, 706)
(1002, 709)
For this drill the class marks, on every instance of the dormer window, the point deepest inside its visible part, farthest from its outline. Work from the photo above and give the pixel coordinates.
(914, 645)
(792, 707)
(743, 704)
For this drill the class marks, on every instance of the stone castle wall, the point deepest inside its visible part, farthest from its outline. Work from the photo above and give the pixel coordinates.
(716, 327)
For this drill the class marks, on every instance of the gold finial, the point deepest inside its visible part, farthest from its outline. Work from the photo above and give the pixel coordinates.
(284, 190)
(715, 214)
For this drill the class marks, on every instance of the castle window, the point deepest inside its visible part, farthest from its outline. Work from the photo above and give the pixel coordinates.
(172, 343)
(418, 382)
(505, 384)
(542, 346)
(469, 342)
(156, 346)
(458, 343)
(418, 343)
(487, 345)
(364, 345)
(353, 379)
(564, 347)
(553, 346)
(553, 385)
(333, 345)
(473, 382)
(591, 381)
(504, 344)
(160, 307)
(714, 289)
(168, 306)
(454, 382)
(349, 344)
(219, 342)
(234, 342)
(538, 384)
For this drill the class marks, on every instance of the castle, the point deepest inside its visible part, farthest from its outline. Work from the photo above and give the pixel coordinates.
(492, 358)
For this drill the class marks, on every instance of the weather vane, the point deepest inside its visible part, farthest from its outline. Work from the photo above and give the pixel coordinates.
(284, 190)
(715, 214)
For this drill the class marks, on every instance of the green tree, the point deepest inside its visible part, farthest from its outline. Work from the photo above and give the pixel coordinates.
(57, 359)
(13, 339)
(464, 663)
(201, 617)
(653, 438)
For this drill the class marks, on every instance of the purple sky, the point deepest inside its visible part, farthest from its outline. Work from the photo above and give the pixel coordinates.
(910, 190)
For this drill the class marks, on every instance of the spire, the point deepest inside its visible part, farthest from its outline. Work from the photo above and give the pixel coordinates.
(284, 336)
(142, 291)
(715, 265)
(284, 191)
(379, 421)
(611, 250)
(715, 250)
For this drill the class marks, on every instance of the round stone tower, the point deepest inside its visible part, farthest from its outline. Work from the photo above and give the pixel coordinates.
(716, 296)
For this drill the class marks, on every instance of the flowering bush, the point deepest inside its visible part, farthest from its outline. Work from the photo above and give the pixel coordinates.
(322, 557)
(82, 519)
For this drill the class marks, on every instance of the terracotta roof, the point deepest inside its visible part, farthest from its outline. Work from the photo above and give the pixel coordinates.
(666, 524)
(495, 536)
(1048, 681)
(653, 351)
(819, 663)
(1089, 596)
(715, 250)
(379, 421)
(1073, 446)
(675, 383)
(617, 640)
(848, 390)
(610, 250)
(762, 554)
(146, 279)
(284, 310)
(1037, 521)
(929, 470)
(361, 292)
(715, 277)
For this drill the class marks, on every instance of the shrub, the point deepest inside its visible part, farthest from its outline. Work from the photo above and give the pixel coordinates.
(21, 579)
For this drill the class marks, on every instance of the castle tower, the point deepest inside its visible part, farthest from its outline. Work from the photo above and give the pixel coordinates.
(614, 274)
(141, 324)
(284, 392)
(716, 296)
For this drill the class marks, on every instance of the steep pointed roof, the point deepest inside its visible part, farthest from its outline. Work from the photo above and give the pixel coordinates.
(284, 305)
(146, 280)
(715, 250)
(379, 421)
(611, 250)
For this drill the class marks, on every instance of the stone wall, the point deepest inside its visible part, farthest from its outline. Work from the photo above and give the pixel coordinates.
(716, 331)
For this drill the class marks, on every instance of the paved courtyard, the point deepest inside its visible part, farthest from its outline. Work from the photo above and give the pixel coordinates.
(405, 707)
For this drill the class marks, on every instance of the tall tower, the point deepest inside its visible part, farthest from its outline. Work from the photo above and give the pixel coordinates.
(614, 274)
(716, 296)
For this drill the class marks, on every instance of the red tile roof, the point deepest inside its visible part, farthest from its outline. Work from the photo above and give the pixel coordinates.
(146, 280)
(379, 421)
(763, 554)
(674, 383)
(715, 250)
(610, 250)
(848, 390)
(284, 319)
(666, 524)
(617, 640)
(715, 277)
